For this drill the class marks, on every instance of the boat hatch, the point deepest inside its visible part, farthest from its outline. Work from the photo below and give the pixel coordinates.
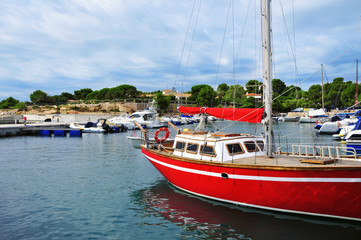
(224, 134)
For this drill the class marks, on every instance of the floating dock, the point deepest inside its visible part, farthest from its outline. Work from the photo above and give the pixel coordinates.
(56, 129)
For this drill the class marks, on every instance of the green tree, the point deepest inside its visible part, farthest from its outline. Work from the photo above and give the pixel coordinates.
(221, 90)
(162, 100)
(333, 93)
(93, 95)
(235, 94)
(67, 96)
(21, 106)
(207, 97)
(254, 86)
(278, 86)
(39, 97)
(82, 93)
(8, 103)
(248, 102)
(103, 93)
(294, 91)
(195, 91)
(348, 95)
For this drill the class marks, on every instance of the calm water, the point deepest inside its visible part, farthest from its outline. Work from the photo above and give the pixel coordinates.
(99, 187)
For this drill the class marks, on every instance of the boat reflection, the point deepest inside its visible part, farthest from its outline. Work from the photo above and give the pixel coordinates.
(200, 218)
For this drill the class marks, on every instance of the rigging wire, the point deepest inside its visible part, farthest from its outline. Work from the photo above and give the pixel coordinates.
(184, 43)
(191, 44)
(222, 44)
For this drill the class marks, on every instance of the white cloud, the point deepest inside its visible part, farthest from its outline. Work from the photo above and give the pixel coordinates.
(96, 44)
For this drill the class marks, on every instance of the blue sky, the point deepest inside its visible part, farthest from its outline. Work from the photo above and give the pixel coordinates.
(63, 46)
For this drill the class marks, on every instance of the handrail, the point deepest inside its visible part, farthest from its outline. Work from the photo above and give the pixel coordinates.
(324, 152)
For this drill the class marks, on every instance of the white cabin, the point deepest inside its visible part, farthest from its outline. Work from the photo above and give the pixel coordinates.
(222, 147)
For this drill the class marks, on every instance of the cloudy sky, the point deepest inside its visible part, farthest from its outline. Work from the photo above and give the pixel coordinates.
(62, 46)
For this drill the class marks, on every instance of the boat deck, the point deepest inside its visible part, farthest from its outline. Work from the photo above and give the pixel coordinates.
(292, 161)
(283, 160)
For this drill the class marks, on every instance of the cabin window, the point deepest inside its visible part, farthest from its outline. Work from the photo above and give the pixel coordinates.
(135, 116)
(192, 148)
(260, 145)
(251, 146)
(234, 148)
(207, 150)
(180, 146)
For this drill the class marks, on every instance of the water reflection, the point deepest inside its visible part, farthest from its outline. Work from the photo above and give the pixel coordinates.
(203, 219)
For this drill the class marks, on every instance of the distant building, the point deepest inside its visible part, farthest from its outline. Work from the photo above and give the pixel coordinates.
(255, 95)
(168, 92)
(178, 96)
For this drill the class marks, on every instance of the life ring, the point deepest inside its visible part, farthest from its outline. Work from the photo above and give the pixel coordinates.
(164, 137)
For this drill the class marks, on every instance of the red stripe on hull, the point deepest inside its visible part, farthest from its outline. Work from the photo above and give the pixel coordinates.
(337, 199)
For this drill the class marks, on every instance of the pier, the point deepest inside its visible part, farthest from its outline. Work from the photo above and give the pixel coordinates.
(31, 129)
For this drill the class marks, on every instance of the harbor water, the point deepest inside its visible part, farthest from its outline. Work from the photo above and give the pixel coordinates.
(99, 187)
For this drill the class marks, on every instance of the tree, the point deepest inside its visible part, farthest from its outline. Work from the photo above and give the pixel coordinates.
(207, 97)
(278, 86)
(92, 95)
(8, 103)
(82, 93)
(333, 93)
(195, 91)
(21, 106)
(102, 93)
(162, 100)
(293, 91)
(348, 96)
(254, 86)
(39, 97)
(67, 96)
(221, 90)
(234, 94)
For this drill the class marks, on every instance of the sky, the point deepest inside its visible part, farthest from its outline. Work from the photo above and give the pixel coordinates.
(63, 46)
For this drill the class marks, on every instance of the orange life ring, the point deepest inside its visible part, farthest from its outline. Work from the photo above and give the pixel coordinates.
(164, 137)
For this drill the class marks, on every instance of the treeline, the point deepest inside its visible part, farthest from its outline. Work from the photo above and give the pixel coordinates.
(337, 94)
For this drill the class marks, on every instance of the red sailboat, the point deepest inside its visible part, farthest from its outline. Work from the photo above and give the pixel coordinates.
(243, 169)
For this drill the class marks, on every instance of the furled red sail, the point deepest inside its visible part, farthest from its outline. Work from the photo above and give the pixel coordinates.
(252, 115)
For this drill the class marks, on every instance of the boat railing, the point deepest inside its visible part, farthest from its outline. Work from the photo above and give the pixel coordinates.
(339, 152)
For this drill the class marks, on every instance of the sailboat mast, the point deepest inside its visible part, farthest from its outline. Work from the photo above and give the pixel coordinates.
(267, 74)
(356, 82)
(323, 101)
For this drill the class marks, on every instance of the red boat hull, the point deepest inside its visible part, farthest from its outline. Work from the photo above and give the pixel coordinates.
(330, 193)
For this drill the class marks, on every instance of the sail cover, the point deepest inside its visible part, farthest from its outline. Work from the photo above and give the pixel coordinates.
(252, 115)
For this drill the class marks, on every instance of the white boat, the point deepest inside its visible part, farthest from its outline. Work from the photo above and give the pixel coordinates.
(314, 116)
(285, 118)
(100, 126)
(340, 124)
(335, 127)
(147, 118)
(353, 138)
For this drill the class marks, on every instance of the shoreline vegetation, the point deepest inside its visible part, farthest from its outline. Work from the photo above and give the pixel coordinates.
(126, 98)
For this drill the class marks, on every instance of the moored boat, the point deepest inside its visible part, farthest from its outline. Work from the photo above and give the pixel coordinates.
(246, 170)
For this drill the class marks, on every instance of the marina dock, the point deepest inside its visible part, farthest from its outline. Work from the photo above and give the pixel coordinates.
(32, 129)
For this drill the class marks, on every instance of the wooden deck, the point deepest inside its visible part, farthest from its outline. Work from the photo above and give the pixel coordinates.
(291, 161)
